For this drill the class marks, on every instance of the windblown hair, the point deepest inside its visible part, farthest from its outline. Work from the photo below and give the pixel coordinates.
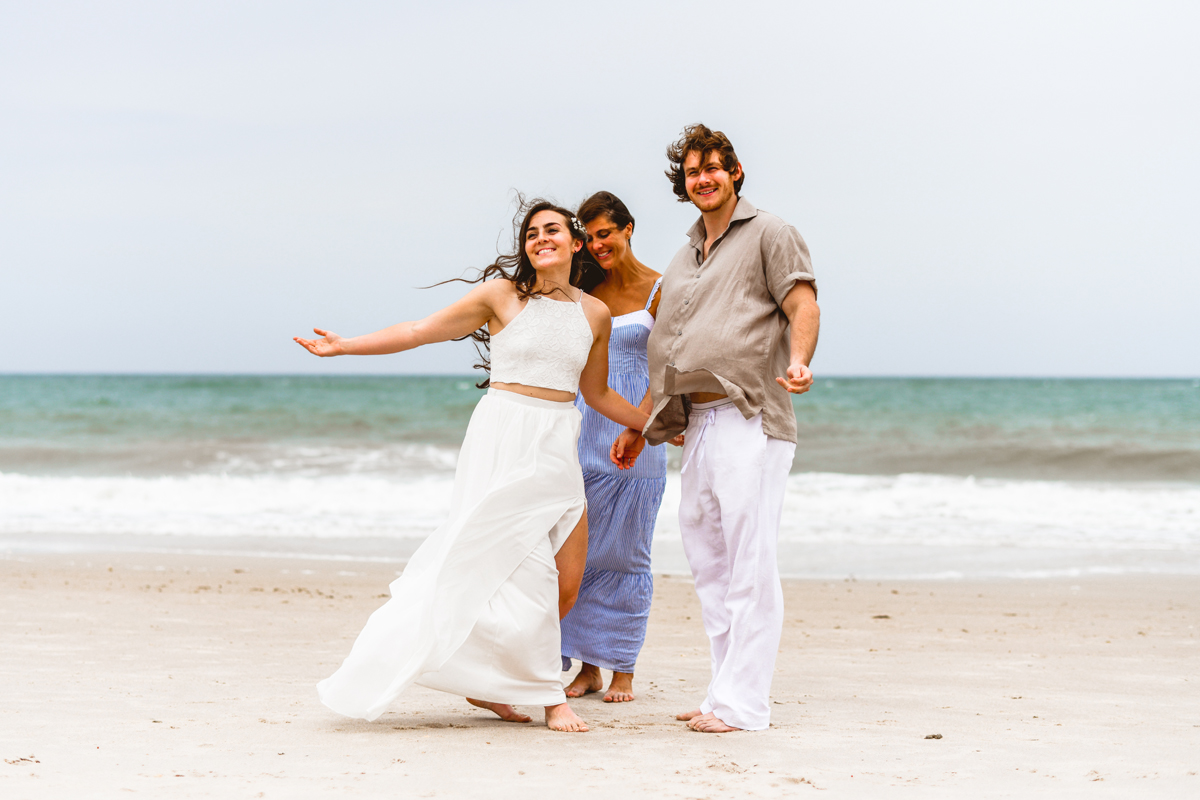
(699, 138)
(516, 267)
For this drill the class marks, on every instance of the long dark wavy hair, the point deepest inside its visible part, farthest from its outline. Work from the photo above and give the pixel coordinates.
(516, 267)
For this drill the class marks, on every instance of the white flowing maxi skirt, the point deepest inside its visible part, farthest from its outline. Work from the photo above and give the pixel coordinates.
(475, 612)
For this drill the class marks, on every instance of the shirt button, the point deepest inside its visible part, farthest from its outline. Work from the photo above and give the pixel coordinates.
(685, 302)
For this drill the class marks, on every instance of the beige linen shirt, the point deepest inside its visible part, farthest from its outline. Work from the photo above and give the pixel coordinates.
(721, 326)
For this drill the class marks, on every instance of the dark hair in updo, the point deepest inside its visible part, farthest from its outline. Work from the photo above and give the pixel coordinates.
(608, 204)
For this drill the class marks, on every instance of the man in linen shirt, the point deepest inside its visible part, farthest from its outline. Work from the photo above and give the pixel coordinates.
(736, 329)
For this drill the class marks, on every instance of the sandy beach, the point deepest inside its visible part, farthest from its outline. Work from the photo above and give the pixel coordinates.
(193, 676)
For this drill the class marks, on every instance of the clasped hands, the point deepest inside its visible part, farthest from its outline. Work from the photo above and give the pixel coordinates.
(629, 446)
(630, 443)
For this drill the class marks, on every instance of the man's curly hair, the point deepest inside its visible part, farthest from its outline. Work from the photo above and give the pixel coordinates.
(701, 139)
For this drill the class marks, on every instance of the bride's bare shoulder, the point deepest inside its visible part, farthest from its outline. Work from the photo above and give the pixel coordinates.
(498, 294)
(595, 309)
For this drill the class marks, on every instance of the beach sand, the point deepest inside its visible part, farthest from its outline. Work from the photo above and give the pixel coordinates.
(193, 676)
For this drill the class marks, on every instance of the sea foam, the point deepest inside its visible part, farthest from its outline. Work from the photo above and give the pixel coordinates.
(913, 511)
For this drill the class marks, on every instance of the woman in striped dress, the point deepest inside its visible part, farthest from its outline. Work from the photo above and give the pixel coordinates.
(606, 627)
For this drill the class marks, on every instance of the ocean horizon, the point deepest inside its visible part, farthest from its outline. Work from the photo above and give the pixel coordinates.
(893, 477)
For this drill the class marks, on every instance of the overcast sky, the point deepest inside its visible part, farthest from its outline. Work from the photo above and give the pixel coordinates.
(1001, 190)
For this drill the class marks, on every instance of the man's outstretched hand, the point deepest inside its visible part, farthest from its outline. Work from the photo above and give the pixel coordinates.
(799, 379)
(627, 448)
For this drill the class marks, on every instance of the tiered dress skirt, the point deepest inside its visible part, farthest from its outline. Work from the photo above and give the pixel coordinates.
(607, 626)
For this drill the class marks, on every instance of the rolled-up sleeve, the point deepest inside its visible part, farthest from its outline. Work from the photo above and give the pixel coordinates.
(721, 328)
(786, 262)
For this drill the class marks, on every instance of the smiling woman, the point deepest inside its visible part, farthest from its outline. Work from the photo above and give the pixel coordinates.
(519, 267)
(477, 609)
(607, 626)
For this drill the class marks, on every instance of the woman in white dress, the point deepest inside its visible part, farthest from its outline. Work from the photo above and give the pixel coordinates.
(476, 611)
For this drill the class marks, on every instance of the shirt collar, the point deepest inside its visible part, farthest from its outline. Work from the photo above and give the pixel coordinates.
(744, 210)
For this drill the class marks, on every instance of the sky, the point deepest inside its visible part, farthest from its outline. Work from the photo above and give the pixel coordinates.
(986, 189)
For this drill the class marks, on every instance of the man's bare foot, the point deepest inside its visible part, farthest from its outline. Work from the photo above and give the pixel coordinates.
(710, 723)
(620, 690)
(562, 718)
(502, 710)
(690, 715)
(587, 681)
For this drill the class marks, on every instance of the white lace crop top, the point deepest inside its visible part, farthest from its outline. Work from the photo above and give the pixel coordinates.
(546, 345)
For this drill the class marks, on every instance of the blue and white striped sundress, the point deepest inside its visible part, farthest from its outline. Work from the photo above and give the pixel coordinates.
(608, 623)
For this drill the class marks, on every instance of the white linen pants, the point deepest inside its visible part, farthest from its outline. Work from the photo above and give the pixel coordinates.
(733, 483)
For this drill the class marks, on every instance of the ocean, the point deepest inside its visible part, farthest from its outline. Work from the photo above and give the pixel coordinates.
(893, 478)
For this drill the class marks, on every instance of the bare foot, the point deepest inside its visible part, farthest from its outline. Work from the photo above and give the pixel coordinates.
(502, 710)
(710, 723)
(621, 688)
(562, 718)
(587, 681)
(689, 715)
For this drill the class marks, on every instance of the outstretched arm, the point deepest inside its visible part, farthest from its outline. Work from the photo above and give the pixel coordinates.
(804, 318)
(593, 384)
(454, 321)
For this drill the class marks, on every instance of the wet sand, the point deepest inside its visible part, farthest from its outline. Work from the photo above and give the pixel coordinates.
(189, 676)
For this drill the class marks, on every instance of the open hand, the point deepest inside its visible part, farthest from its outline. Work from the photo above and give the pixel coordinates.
(799, 379)
(330, 344)
(626, 448)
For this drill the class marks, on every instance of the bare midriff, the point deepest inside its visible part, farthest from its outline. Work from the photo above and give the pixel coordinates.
(541, 393)
(706, 397)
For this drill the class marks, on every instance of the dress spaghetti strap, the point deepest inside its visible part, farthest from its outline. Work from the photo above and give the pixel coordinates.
(654, 291)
